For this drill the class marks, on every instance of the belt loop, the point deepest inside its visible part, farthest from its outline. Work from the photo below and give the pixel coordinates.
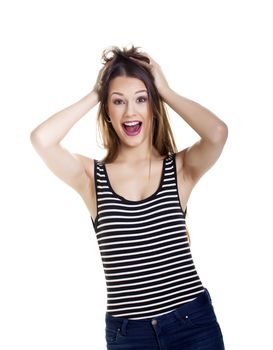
(123, 326)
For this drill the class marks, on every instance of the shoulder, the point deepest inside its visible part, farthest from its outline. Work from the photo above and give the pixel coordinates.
(180, 164)
(177, 157)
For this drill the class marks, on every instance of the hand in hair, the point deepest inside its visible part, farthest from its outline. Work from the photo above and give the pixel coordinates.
(160, 80)
(97, 85)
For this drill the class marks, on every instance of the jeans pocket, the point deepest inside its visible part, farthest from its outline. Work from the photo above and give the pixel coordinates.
(202, 317)
(111, 334)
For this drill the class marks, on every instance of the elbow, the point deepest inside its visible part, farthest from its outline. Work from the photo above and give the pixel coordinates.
(35, 138)
(220, 134)
(32, 136)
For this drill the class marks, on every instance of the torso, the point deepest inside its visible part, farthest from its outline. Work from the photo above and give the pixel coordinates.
(132, 183)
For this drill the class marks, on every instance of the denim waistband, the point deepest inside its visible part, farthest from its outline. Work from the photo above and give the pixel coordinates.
(202, 300)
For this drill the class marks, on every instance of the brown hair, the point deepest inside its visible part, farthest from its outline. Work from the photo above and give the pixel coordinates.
(119, 64)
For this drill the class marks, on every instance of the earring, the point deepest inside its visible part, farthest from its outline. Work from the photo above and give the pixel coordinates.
(108, 120)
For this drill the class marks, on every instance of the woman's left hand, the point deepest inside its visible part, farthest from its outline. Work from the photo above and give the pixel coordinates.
(160, 80)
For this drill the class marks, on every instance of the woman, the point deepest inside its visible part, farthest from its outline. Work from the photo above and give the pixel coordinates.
(137, 198)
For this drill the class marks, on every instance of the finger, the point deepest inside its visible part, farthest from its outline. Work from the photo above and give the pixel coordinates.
(147, 55)
(144, 63)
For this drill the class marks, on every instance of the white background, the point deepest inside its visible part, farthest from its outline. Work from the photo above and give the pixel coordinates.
(218, 53)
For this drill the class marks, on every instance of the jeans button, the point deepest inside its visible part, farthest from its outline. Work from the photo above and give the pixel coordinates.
(154, 322)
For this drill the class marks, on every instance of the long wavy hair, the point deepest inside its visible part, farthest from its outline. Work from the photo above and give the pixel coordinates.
(120, 64)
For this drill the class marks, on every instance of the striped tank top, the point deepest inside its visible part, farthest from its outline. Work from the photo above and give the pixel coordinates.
(146, 257)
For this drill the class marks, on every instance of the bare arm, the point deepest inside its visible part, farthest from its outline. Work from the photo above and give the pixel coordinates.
(198, 158)
(47, 136)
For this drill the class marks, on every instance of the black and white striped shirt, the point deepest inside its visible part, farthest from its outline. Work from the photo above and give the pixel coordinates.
(145, 253)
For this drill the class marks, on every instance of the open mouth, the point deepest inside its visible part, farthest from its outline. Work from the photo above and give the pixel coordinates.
(132, 128)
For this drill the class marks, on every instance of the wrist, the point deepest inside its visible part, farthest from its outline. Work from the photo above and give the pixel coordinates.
(164, 92)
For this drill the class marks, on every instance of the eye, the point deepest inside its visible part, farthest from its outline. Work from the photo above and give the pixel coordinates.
(117, 100)
(143, 98)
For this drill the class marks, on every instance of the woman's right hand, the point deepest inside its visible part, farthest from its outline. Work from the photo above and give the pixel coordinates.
(97, 85)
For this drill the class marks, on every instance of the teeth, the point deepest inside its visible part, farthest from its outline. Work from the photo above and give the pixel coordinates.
(131, 123)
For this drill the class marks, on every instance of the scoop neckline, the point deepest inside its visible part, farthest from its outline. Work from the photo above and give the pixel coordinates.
(142, 200)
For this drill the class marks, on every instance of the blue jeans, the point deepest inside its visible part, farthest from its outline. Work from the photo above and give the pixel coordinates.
(192, 326)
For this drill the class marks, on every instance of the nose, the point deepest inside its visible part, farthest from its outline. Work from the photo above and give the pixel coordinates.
(130, 108)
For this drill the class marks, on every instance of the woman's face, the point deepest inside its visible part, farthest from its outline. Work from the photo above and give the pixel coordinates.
(128, 102)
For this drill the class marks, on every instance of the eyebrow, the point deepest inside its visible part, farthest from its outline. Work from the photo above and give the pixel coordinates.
(119, 93)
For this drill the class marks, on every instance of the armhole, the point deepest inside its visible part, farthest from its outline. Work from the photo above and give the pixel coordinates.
(96, 193)
(95, 166)
(95, 180)
(176, 183)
